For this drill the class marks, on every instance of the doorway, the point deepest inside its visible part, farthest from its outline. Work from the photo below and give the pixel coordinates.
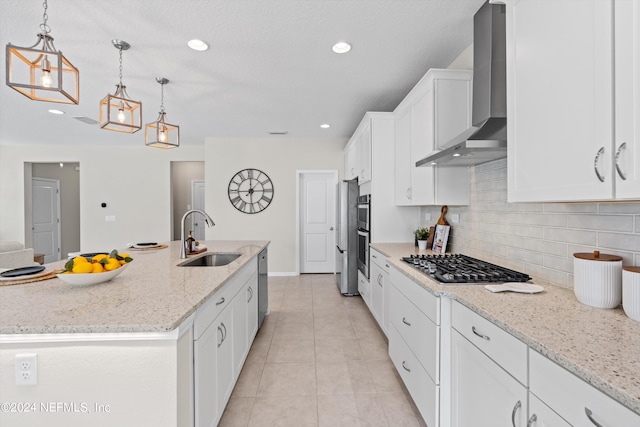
(46, 218)
(67, 174)
(183, 175)
(316, 196)
(197, 202)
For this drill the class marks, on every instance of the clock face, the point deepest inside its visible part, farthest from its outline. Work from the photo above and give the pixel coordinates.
(250, 191)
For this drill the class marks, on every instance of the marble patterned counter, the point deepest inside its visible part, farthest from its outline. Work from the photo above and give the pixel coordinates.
(152, 295)
(600, 346)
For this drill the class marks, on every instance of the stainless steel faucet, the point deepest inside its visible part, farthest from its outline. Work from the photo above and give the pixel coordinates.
(207, 219)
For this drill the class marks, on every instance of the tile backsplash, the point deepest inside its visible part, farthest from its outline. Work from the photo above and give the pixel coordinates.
(537, 238)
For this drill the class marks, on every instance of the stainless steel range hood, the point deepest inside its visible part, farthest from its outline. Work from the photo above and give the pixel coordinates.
(486, 140)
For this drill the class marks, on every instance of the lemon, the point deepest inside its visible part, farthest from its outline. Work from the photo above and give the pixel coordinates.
(79, 259)
(98, 257)
(112, 264)
(96, 267)
(83, 267)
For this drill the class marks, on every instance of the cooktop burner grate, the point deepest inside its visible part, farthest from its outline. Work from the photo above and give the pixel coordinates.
(456, 268)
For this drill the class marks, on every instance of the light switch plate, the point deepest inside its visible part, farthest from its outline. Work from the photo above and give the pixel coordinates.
(110, 218)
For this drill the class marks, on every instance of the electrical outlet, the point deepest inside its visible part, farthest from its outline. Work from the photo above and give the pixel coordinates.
(455, 218)
(427, 216)
(26, 366)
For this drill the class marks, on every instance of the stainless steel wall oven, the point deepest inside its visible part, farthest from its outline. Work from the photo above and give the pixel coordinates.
(364, 233)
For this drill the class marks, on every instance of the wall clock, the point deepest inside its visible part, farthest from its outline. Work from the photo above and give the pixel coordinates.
(250, 191)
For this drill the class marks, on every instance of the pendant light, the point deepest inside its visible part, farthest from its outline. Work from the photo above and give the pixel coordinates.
(118, 112)
(40, 72)
(160, 134)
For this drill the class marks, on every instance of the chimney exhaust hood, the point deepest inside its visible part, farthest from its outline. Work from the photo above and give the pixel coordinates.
(486, 140)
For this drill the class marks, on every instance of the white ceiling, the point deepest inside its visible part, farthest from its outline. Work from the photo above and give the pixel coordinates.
(269, 68)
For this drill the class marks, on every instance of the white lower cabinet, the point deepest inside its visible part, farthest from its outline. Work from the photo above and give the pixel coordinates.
(224, 328)
(414, 342)
(573, 399)
(364, 288)
(483, 393)
(540, 415)
(380, 284)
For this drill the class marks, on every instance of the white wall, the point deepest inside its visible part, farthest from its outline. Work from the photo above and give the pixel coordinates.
(279, 158)
(133, 181)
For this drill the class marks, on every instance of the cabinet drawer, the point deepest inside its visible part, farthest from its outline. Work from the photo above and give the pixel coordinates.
(364, 288)
(506, 350)
(418, 331)
(572, 397)
(217, 302)
(427, 303)
(380, 260)
(423, 391)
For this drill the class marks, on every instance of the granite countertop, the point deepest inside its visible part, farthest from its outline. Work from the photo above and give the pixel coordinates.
(600, 346)
(152, 295)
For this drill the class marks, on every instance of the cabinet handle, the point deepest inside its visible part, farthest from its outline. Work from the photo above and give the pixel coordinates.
(532, 420)
(484, 337)
(590, 416)
(404, 320)
(221, 336)
(386, 265)
(596, 161)
(224, 334)
(221, 301)
(623, 175)
(513, 413)
(405, 368)
(250, 291)
(380, 280)
(373, 256)
(409, 193)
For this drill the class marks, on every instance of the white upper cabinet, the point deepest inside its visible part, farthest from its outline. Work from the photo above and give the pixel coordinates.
(437, 109)
(563, 134)
(627, 99)
(358, 154)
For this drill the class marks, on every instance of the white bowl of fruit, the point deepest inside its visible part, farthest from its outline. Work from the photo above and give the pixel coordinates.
(98, 268)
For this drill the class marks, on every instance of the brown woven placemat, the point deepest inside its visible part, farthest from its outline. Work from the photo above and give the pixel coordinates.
(155, 248)
(34, 279)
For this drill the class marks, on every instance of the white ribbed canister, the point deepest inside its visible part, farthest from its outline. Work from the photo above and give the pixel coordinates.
(597, 279)
(631, 292)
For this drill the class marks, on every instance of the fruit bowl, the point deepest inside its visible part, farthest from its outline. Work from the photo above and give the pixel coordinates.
(86, 279)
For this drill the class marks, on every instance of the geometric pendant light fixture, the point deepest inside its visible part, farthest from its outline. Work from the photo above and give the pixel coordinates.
(160, 134)
(40, 72)
(118, 112)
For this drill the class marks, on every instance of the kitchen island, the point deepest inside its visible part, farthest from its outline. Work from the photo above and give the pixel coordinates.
(116, 353)
(599, 346)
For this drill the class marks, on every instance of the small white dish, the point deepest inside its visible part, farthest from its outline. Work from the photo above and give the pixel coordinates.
(86, 279)
(525, 288)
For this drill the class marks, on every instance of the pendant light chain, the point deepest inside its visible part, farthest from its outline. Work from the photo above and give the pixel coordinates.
(120, 66)
(44, 27)
(162, 98)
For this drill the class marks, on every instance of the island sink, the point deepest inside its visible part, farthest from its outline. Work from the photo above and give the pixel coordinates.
(211, 260)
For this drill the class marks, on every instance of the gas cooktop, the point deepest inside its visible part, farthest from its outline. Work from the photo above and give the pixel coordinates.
(456, 268)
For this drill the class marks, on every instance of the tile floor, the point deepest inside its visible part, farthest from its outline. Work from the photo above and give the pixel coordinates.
(318, 360)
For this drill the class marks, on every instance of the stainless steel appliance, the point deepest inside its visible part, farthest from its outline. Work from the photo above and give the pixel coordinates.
(462, 269)
(364, 204)
(486, 139)
(347, 237)
(263, 291)
(364, 233)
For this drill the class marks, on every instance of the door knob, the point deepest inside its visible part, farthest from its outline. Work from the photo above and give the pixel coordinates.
(330, 228)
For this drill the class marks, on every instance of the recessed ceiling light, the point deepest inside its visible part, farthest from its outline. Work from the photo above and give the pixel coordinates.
(341, 47)
(325, 126)
(198, 45)
(56, 112)
(456, 154)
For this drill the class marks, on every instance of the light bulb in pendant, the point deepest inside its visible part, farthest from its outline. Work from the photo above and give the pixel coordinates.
(121, 116)
(46, 73)
(163, 134)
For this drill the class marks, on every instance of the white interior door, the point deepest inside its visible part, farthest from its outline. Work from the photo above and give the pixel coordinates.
(317, 221)
(46, 218)
(197, 202)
